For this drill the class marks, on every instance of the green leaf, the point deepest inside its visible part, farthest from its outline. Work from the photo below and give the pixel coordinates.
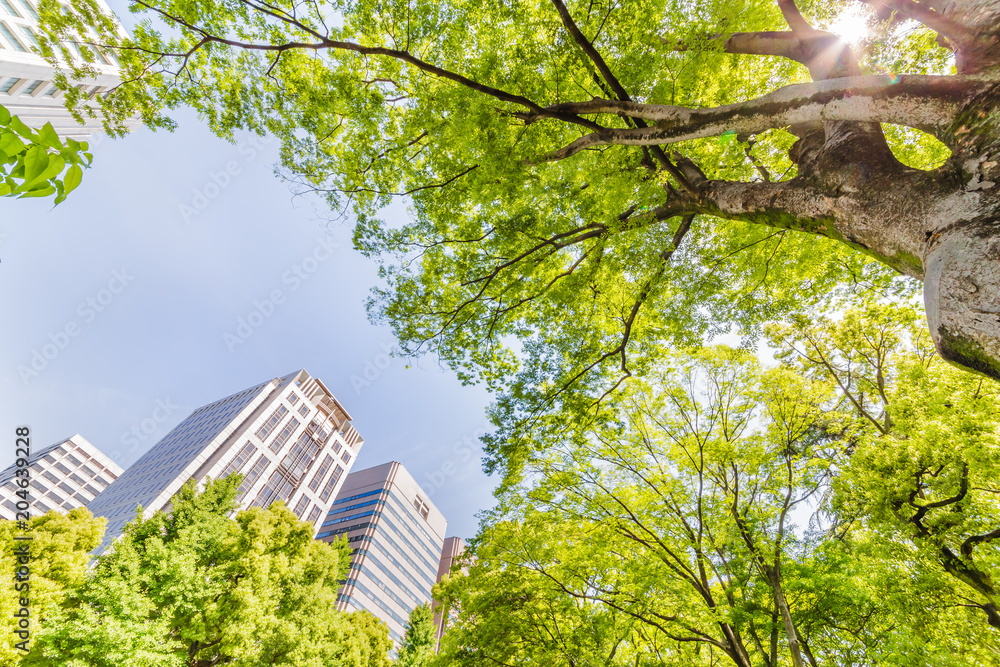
(74, 175)
(10, 144)
(48, 137)
(22, 129)
(42, 192)
(36, 161)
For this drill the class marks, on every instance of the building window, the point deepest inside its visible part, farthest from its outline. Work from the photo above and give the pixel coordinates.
(421, 506)
(321, 473)
(272, 422)
(253, 475)
(346, 456)
(285, 434)
(277, 488)
(328, 489)
(293, 398)
(300, 508)
(10, 9)
(18, 46)
(7, 87)
(239, 460)
(31, 10)
(30, 34)
(304, 410)
(314, 514)
(29, 91)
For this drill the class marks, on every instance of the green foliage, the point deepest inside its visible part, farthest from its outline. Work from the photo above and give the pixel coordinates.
(715, 495)
(194, 587)
(924, 448)
(59, 549)
(418, 642)
(37, 163)
(550, 282)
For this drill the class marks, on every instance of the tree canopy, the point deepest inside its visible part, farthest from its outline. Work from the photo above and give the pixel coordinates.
(419, 640)
(59, 549)
(193, 587)
(589, 182)
(727, 513)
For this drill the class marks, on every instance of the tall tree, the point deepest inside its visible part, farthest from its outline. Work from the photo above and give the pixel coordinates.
(595, 179)
(58, 551)
(195, 588)
(677, 532)
(419, 640)
(923, 456)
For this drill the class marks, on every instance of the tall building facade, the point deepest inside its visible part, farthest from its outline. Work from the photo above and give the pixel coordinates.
(290, 438)
(396, 535)
(27, 88)
(63, 476)
(453, 548)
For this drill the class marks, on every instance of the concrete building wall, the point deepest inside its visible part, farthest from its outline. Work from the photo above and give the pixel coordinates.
(63, 476)
(396, 535)
(290, 438)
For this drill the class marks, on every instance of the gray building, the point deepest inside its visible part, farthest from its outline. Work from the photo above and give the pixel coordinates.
(63, 476)
(397, 536)
(290, 438)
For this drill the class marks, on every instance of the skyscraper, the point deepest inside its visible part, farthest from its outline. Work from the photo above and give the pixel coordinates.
(27, 89)
(397, 536)
(63, 476)
(290, 437)
(453, 548)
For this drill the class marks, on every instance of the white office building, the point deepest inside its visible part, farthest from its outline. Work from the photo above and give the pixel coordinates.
(27, 89)
(290, 438)
(61, 477)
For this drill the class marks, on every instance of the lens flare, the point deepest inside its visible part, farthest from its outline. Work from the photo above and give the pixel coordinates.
(852, 25)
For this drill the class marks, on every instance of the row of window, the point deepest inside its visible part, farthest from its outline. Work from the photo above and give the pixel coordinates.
(377, 579)
(426, 590)
(378, 601)
(430, 565)
(27, 11)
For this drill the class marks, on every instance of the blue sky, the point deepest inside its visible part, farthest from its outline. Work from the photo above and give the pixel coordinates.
(136, 286)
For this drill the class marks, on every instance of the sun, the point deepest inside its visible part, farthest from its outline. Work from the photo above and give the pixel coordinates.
(852, 25)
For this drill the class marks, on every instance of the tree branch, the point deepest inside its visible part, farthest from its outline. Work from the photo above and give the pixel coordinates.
(928, 103)
(588, 48)
(793, 17)
(954, 32)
